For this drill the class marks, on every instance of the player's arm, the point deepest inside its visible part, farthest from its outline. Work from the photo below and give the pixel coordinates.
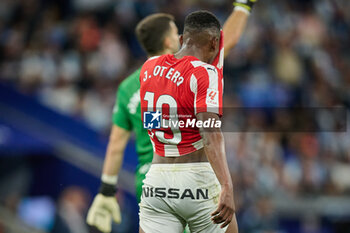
(118, 140)
(214, 148)
(105, 206)
(236, 23)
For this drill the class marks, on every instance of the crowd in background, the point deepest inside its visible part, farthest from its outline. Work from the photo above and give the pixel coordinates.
(72, 55)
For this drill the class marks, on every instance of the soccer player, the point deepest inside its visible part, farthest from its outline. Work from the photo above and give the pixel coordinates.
(158, 35)
(189, 179)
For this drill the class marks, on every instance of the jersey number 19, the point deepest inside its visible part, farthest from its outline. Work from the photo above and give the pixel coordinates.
(173, 116)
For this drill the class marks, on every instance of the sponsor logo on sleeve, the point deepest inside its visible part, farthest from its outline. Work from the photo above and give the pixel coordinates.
(212, 97)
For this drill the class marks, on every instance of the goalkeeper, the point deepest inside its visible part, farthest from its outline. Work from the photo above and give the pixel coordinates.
(157, 35)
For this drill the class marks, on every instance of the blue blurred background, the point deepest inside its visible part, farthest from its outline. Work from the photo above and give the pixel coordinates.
(61, 62)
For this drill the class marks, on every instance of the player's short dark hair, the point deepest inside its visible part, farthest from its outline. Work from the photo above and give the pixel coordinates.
(152, 30)
(200, 20)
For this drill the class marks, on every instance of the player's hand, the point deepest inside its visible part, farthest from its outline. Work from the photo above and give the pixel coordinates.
(246, 4)
(101, 212)
(226, 207)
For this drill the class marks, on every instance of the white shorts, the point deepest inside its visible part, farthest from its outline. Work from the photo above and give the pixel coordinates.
(174, 195)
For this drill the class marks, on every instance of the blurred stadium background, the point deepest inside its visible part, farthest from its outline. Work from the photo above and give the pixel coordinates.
(61, 62)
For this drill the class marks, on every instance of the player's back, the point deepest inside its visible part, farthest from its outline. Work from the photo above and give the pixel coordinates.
(179, 89)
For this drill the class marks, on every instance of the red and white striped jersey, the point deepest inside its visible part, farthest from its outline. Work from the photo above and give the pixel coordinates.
(179, 88)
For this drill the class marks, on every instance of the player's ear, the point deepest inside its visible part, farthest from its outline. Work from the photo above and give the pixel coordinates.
(214, 43)
(167, 42)
(181, 39)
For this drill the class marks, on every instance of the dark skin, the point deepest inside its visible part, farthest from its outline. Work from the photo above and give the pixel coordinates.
(202, 45)
(205, 46)
(214, 148)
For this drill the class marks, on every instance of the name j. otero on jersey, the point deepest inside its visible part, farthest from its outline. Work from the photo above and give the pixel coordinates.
(162, 71)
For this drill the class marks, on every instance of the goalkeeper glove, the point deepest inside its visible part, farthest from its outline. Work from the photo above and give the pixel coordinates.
(245, 5)
(104, 208)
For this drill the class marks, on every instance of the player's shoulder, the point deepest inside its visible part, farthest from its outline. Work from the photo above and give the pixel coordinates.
(131, 82)
(203, 68)
(153, 60)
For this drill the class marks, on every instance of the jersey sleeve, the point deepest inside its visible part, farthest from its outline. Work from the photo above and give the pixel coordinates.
(120, 112)
(207, 85)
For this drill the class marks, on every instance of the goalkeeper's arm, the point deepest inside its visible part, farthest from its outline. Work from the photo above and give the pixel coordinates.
(235, 24)
(105, 207)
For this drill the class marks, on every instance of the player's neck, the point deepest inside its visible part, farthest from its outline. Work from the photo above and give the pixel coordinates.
(190, 49)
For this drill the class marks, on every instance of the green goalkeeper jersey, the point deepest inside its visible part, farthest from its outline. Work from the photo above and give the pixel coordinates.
(127, 115)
